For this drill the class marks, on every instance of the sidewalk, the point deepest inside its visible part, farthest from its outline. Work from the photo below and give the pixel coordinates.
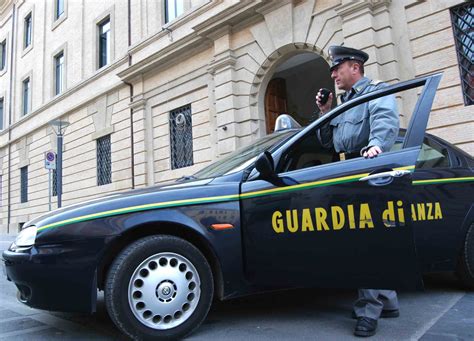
(443, 312)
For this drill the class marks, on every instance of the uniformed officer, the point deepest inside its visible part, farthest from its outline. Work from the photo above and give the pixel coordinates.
(365, 130)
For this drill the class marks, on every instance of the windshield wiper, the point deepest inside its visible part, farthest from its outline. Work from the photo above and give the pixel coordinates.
(186, 177)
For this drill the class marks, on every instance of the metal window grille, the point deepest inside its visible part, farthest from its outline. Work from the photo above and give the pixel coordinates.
(24, 184)
(104, 161)
(28, 30)
(181, 137)
(462, 18)
(54, 185)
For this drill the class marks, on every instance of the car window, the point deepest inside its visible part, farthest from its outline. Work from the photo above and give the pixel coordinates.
(243, 157)
(307, 152)
(432, 155)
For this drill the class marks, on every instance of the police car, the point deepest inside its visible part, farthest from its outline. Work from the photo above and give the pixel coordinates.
(277, 214)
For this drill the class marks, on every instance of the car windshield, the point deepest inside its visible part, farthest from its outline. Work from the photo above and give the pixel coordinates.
(242, 157)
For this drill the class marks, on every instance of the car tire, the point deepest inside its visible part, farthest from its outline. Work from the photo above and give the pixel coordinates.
(159, 287)
(465, 269)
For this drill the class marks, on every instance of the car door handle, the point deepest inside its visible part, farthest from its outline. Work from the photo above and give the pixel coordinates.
(391, 174)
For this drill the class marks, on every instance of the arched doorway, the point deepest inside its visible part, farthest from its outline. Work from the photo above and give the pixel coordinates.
(293, 87)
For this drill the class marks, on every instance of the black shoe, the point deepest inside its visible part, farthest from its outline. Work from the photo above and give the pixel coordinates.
(365, 326)
(384, 314)
(390, 313)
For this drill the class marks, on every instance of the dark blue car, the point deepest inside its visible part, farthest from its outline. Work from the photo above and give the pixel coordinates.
(277, 214)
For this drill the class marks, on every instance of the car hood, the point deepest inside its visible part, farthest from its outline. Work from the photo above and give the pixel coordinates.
(155, 197)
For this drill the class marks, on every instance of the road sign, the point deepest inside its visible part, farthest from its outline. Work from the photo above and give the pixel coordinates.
(50, 160)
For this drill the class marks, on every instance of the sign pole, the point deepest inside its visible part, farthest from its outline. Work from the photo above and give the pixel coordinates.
(49, 189)
(50, 164)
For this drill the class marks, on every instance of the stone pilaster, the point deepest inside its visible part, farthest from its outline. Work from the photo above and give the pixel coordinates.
(138, 106)
(366, 25)
(222, 69)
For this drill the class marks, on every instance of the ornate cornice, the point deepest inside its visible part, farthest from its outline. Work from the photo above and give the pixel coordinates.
(349, 8)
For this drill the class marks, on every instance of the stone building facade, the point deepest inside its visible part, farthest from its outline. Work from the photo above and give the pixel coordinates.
(132, 71)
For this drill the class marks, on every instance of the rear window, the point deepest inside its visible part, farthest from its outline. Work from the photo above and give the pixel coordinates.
(432, 155)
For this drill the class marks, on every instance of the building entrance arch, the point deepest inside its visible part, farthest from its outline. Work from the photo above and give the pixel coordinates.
(292, 76)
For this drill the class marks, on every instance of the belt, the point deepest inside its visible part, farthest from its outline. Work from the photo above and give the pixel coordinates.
(341, 156)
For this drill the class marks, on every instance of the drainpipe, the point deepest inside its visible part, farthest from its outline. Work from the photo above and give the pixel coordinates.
(10, 113)
(132, 148)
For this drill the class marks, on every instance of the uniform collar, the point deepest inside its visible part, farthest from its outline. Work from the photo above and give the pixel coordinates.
(356, 89)
(360, 85)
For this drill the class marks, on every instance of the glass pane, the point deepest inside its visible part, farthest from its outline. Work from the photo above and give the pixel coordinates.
(1, 118)
(3, 51)
(55, 183)
(26, 96)
(104, 161)
(432, 156)
(179, 7)
(28, 30)
(24, 184)
(181, 137)
(173, 9)
(104, 43)
(59, 8)
(59, 61)
(462, 20)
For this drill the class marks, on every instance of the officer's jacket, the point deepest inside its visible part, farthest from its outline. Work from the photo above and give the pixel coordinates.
(374, 123)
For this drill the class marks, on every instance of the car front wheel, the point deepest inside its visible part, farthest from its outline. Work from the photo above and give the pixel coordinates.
(159, 287)
(465, 270)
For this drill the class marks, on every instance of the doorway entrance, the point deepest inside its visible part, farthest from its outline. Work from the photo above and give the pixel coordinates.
(293, 87)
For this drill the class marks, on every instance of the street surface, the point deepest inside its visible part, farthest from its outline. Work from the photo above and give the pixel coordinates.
(442, 312)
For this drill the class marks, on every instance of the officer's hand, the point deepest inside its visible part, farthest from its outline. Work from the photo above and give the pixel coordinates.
(324, 108)
(372, 152)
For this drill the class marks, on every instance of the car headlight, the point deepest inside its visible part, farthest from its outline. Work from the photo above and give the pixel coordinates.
(25, 239)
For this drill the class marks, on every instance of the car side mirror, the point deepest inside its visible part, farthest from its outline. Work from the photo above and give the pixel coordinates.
(265, 165)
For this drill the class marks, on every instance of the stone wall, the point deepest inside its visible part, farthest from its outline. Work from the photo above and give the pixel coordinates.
(433, 50)
(218, 57)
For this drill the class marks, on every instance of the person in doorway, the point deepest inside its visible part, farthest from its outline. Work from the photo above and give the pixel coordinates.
(365, 130)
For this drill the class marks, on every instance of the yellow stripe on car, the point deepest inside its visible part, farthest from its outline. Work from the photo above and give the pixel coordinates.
(222, 198)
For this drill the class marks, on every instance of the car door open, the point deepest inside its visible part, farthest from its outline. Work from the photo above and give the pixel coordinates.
(340, 224)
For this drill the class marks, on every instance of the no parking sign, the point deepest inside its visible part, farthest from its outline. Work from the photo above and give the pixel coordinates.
(50, 160)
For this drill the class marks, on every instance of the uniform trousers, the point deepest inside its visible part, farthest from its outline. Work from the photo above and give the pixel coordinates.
(371, 302)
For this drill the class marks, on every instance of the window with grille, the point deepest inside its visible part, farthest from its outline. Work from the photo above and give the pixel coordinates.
(104, 161)
(24, 184)
(54, 185)
(181, 137)
(462, 18)
(104, 42)
(28, 31)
